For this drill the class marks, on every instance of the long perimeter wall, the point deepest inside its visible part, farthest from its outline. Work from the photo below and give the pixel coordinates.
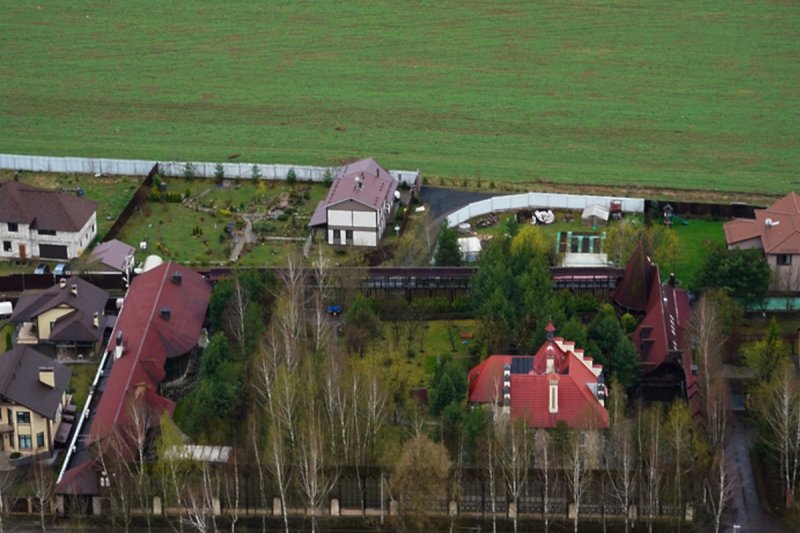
(138, 167)
(539, 200)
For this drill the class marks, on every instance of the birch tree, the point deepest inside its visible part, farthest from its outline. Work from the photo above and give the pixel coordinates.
(577, 475)
(719, 488)
(544, 453)
(44, 487)
(516, 450)
(779, 406)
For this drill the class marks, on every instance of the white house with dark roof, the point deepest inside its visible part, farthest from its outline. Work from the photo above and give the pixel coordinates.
(43, 223)
(358, 206)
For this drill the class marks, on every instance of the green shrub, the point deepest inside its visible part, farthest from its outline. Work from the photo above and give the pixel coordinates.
(291, 177)
(188, 171)
(219, 172)
(255, 172)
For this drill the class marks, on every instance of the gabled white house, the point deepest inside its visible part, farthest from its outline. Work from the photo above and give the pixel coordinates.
(358, 206)
(42, 223)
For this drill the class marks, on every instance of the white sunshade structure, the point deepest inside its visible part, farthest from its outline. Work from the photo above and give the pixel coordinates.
(594, 214)
(194, 452)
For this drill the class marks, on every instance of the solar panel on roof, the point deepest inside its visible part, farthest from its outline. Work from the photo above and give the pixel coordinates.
(521, 365)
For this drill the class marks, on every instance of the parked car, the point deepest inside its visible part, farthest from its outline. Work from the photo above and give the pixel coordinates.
(62, 269)
(42, 268)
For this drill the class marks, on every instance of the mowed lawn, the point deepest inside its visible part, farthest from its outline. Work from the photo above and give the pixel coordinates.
(699, 95)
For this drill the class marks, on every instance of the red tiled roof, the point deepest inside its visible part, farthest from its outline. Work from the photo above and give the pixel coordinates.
(42, 208)
(578, 405)
(778, 227)
(149, 340)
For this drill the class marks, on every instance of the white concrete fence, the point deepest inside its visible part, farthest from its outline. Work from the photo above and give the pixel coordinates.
(540, 200)
(138, 167)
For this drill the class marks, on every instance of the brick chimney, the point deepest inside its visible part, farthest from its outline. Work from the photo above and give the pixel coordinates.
(74, 289)
(47, 376)
(62, 283)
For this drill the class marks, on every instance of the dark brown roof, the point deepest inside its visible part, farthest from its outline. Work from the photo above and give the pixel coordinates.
(76, 326)
(42, 208)
(19, 380)
(632, 292)
(777, 226)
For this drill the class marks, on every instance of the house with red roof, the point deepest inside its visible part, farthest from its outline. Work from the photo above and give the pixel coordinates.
(776, 231)
(43, 223)
(160, 324)
(359, 204)
(557, 384)
(661, 338)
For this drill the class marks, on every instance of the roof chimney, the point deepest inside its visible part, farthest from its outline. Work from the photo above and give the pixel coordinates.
(96, 320)
(672, 281)
(118, 348)
(165, 312)
(62, 283)
(177, 277)
(553, 407)
(47, 376)
(74, 289)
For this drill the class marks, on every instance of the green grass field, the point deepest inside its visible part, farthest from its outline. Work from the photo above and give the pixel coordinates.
(699, 95)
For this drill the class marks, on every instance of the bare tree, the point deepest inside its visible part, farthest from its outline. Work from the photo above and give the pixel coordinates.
(707, 339)
(232, 493)
(577, 475)
(719, 487)
(7, 477)
(290, 312)
(279, 468)
(172, 468)
(678, 428)
(315, 482)
(322, 327)
(516, 450)
(652, 459)
(545, 455)
(44, 487)
(236, 312)
(779, 406)
(202, 494)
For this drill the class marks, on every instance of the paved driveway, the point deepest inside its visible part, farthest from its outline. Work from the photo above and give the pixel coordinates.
(442, 201)
(746, 510)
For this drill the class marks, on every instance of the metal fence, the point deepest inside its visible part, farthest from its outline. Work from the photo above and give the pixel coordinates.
(540, 200)
(137, 167)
